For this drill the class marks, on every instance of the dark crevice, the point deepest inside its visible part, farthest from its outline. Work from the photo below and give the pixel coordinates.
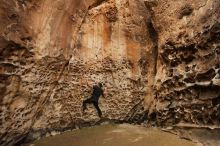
(153, 34)
(207, 76)
(154, 38)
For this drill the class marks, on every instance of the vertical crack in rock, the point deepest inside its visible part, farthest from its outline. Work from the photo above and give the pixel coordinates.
(154, 55)
(153, 34)
(154, 38)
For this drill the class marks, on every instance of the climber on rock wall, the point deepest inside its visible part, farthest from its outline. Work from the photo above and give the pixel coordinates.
(97, 92)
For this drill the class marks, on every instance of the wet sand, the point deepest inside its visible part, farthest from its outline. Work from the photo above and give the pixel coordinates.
(114, 135)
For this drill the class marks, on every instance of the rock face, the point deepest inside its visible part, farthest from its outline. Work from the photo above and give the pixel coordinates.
(155, 58)
(42, 86)
(186, 86)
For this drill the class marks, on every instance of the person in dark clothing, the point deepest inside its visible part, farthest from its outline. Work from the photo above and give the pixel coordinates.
(94, 99)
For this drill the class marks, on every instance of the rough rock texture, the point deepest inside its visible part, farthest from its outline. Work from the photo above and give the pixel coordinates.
(161, 55)
(187, 84)
(42, 86)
